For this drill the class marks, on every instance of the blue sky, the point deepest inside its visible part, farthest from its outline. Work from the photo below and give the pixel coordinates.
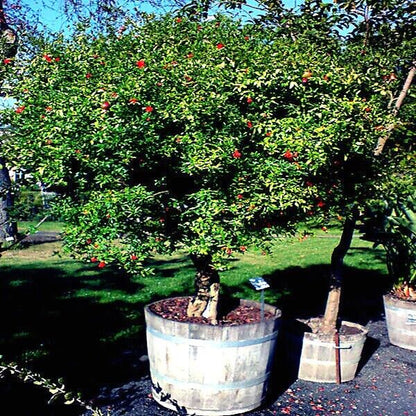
(52, 16)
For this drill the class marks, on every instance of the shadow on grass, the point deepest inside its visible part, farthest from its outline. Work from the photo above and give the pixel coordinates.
(55, 332)
(53, 328)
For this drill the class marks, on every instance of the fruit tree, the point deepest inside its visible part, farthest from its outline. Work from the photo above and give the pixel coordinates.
(210, 136)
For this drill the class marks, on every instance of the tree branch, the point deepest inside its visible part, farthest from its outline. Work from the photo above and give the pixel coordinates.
(382, 140)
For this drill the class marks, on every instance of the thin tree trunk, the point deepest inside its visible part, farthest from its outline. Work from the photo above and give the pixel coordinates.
(329, 323)
(7, 229)
(8, 43)
(8, 35)
(207, 285)
(382, 140)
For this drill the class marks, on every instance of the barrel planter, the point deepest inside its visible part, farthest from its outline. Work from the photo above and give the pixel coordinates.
(210, 370)
(318, 354)
(401, 321)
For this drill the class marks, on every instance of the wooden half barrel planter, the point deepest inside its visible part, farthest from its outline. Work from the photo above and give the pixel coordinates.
(401, 321)
(323, 359)
(210, 370)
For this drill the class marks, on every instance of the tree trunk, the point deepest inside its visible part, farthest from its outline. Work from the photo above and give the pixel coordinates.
(382, 140)
(207, 285)
(329, 323)
(7, 229)
(8, 36)
(8, 44)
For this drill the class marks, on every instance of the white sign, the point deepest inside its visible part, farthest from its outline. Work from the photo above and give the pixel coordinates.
(259, 283)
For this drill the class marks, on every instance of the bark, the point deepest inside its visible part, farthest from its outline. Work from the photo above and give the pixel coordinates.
(207, 285)
(330, 320)
(7, 228)
(9, 41)
(382, 140)
(8, 35)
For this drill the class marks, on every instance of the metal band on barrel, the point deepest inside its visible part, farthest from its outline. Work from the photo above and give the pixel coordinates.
(156, 376)
(207, 343)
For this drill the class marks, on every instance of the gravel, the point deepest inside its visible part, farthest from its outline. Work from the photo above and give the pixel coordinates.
(384, 386)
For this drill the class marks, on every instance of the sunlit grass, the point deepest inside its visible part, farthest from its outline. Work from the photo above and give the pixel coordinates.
(71, 319)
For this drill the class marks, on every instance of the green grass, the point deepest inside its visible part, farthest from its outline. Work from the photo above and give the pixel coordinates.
(69, 319)
(46, 226)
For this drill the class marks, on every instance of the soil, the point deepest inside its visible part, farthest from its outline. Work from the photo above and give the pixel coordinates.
(313, 325)
(175, 309)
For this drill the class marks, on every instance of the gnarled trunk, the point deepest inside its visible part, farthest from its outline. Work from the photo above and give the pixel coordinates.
(207, 285)
(329, 323)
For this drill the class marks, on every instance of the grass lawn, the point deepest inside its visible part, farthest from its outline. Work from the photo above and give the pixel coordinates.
(68, 319)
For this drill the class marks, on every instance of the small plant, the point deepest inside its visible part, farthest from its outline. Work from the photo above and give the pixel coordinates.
(393, 225)
(401, 248)
(57, 390)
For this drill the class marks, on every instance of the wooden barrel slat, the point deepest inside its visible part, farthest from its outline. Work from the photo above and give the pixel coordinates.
(317, 361)
(401, 322)
(211, 370)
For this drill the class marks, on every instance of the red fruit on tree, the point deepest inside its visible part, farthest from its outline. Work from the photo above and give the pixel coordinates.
(105, 105)
(236, 154)
(102, 264)
(288, 155)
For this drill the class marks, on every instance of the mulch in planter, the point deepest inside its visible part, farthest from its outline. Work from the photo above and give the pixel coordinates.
(175, 309)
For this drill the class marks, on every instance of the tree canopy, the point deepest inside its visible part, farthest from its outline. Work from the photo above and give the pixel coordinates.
(173, 133)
